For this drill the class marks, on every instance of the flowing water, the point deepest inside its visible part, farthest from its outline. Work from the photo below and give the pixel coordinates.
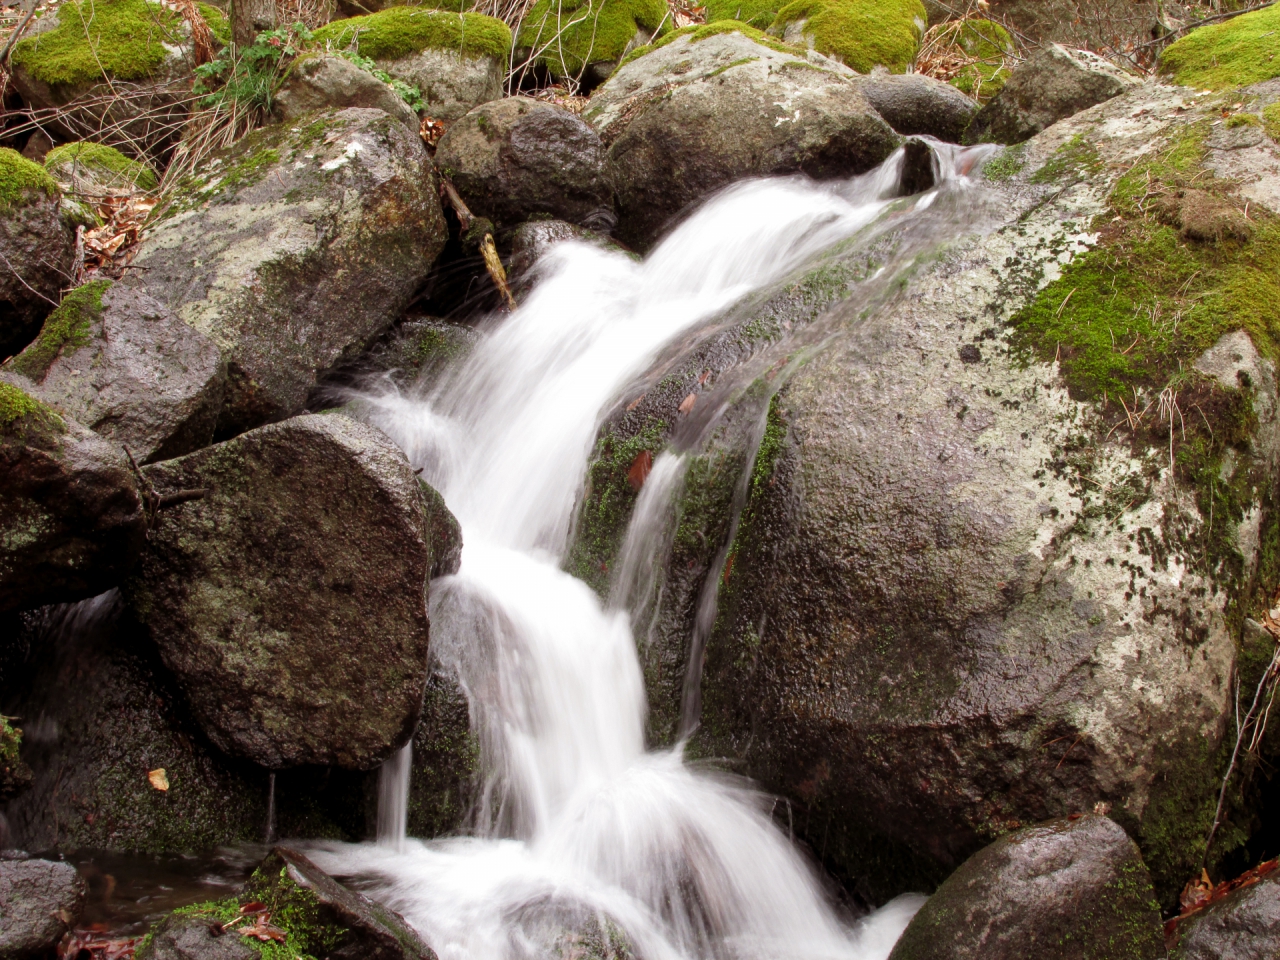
(585, 840)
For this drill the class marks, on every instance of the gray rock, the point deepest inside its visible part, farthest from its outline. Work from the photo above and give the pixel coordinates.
(1092, 24)
(37, 254)
(290, 600)
(914, 104)
(450, 83)
(39, 901)
(1243, 925)
(1066, 890)
(517, 157)
(96, 170)
(691, 117)
(1055, 83)
(324, 82)
(418, 351)
(179, 937)
(444, 771)
(295, 250)
(124, 365)
(71, 519)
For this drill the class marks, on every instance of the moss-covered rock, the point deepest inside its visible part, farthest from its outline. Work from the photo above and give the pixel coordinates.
(991, 46)
(71, 520)
(124, 365)
(119, 71)
(323, 82)
(95, 170)
(331, 674)
(1235, 53)
(861, 34)
(566, 37)
(37, 243)
(1065, 890)
(755, 13)
(294, 250)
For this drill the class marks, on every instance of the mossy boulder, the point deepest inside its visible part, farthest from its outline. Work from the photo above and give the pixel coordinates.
(861, 34)
(1243, 925)
(457, 60)
(40, 900)
(37, 243)
(97, 170)
(569, 38)
(15, 776)
(754, 13)
(518, 157)
(1055, 83)
(71, 520)
(1235, 53)
(990, 46)
(289, 600)
(322, 82)
(709, 105)
(294, 250)
(124, 365)
(1065, 890)
(117, 71)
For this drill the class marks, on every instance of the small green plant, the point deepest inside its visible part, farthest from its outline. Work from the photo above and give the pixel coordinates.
(249, 76)
(409, 93)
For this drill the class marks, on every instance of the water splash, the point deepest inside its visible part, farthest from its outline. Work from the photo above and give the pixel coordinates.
(583, 836)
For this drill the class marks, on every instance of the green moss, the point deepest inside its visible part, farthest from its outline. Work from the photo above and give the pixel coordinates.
(24, 417)
(696, 32)
(1244, 120)
(401, 31)
(293, 909)
(566, 35)
(68, 328)
(20, 179)
(1005, 165)
(218, 23)
(729, 66)
(1074, 160)
(990, 44)
(1235, 53)
(101, 162)
(860, 33)
(1271, 121)
(97, 39)
(10, 742)
(757, 13)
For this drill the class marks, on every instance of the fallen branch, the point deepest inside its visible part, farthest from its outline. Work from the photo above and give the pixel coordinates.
(459, 206)
(493, 263)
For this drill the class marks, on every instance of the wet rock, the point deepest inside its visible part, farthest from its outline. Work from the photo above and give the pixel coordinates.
(444, 768)
(914, 104)
(290, 600)
(1244, 925)
(696, 114)
(456, 60)
(39, 901)
(1055, 83)
(191, 937)
(1066, 889)
(96, 170)
(71, 519)
(531, 240)
(124, 365)
(37, 244)
(518, 157)
(119, 72)
(417, 352)
(324, 82)
(294, 250)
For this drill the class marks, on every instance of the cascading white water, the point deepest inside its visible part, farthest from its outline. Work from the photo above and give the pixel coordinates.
(580, 827)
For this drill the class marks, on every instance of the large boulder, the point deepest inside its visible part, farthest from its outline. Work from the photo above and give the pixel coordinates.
(289, 600)
(1065, 890)
(1055, 83)
(914, 104)
(124, 365)
(712, 105)
(71, 517)
(321, 82)
(37, 249)
(102, 715)
(946, 587)
(1243, 925)
(39, 902)
(295, 249)
(517, 157)
(862, 34)
(118, 71)
(1222, 56)
(456, 61)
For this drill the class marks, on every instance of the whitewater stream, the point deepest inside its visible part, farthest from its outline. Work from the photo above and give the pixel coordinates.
(585, 840)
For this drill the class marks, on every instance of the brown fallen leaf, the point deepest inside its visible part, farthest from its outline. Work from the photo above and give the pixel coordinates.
(159, 779)
(261, 930)
(253, 906)
(686, 405)
(640, 468)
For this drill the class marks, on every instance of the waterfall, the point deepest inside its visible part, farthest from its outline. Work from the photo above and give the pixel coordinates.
(584, 837)
(393, 798)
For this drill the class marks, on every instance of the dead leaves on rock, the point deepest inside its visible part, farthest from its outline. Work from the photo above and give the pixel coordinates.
(93, 944)
(108, 249)
(260, 927)
(1201, 892)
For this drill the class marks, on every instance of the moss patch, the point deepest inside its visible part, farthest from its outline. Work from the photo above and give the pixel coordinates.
(105, 164)
(860, 33)
(23, 416)
(68, 328)
(1234, 53)
(20, 179)
(757, 13)
(120, 39)
(1005, 165)
(566, 35)
(401, 31)
(990, 44)
(1271, 121)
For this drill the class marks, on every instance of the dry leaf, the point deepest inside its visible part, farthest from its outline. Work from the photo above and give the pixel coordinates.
(159, 779)
(640, 468)
(686, 405)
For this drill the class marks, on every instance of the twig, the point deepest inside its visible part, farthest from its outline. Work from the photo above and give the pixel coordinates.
(493, 263)
(18, 31)
(451, 194)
